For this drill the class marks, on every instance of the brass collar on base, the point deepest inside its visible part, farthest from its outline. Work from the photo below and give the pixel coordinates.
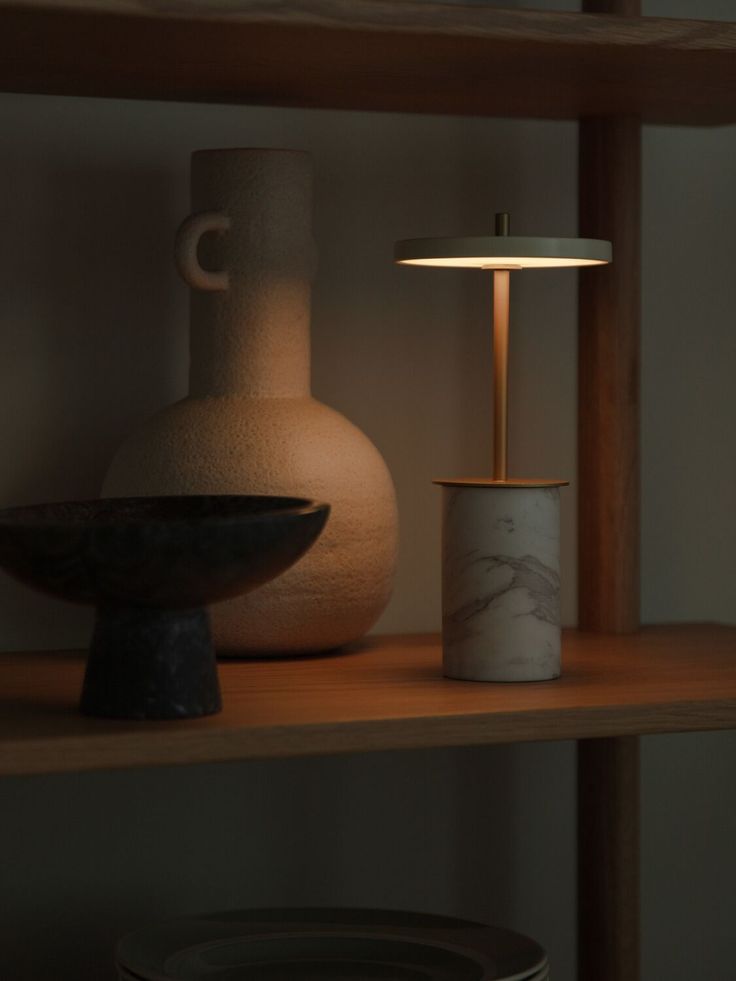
(528, 482)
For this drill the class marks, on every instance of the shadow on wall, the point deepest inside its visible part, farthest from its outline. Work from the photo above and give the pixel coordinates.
(126, 850)
(76, 374)
(91, 338)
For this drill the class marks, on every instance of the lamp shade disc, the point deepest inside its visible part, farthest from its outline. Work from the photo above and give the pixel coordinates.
(503, 252)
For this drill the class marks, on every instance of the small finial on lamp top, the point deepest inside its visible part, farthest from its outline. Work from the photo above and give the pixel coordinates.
(503, 223)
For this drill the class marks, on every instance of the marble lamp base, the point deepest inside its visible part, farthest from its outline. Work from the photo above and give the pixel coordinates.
(501, 579)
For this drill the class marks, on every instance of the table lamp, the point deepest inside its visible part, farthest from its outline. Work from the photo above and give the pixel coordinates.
(501, 534)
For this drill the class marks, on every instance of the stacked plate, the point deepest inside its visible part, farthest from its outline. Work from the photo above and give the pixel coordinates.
(328, 945)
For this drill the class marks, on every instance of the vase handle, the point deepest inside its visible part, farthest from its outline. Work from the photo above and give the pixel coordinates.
(190, 232)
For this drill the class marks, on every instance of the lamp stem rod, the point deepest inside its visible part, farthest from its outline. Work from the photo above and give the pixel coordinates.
(501, 288)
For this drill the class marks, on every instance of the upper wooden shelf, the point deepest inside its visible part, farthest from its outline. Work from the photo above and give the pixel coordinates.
(398, 55)
(389, 694)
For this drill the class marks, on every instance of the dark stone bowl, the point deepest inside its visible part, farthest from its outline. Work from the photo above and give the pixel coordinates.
(150, 565)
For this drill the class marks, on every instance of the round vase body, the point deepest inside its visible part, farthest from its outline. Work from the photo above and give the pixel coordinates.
(501, 583)
(250, 425)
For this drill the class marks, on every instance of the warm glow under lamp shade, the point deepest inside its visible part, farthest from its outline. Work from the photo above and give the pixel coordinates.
(503, 252)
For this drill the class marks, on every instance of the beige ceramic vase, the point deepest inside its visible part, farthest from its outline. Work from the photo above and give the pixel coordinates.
(250, 425)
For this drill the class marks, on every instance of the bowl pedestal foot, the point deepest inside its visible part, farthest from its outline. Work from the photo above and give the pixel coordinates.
(150, 664)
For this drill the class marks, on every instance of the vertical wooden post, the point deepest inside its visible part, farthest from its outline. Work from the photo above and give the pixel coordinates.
(608, 523)
(608, 859)
(608, 378)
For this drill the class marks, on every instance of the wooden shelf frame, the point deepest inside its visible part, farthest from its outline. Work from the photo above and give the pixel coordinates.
(608, 67)
(387, 694)
(396, 55)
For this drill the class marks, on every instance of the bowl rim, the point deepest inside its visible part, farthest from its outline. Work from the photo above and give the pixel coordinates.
(32, 515)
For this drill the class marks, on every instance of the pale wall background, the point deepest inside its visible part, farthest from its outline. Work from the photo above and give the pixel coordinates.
(93, 338)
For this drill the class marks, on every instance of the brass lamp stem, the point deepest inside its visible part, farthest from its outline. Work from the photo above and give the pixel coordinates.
(501, 288)
(501, 284)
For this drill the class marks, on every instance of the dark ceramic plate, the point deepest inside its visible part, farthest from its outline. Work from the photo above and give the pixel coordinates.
(322, 944)
(150, 565)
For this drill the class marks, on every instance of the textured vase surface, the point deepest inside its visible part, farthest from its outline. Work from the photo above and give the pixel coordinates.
(249, 424)
(501, 583)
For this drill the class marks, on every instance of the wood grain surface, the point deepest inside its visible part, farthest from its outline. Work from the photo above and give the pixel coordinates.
(609, 301)
(387, 694)
(609, 181)
(396, 55)
(608, 859)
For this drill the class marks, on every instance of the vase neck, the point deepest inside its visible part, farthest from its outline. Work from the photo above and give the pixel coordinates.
(255, 343)
(252, 338)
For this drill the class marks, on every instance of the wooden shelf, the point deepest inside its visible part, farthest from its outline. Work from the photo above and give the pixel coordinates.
(399, 55)
(389, 694)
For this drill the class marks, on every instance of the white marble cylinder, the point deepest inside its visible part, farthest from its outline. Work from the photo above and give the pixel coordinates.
(501, 581)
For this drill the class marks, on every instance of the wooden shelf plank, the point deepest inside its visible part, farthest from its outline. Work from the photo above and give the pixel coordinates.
(388, 694)
(398, 55)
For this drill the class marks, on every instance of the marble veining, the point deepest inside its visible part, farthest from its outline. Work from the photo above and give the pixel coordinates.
(501, 583)
(541, 583)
